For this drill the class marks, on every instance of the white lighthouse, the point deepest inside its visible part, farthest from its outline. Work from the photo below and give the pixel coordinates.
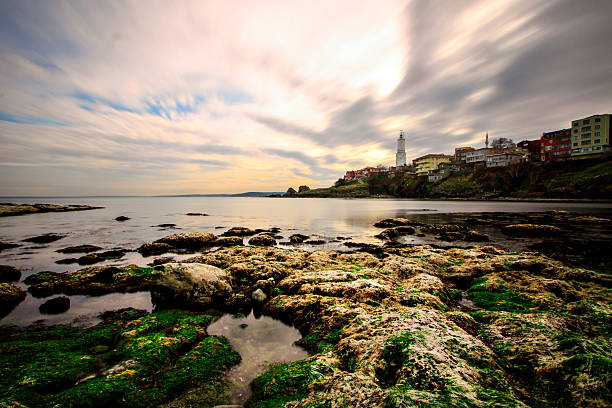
(400, 156)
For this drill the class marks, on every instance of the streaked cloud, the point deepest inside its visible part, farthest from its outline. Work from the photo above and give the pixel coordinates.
(185, 97)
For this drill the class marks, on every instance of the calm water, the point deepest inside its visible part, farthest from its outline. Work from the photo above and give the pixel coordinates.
(319, 218)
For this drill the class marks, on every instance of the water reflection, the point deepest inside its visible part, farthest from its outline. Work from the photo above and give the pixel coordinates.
(260, 341)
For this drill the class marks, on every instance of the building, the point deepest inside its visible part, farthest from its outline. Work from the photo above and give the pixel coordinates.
(364, 173)
(429, 162)
(400, 156)
(531, 148)
(478, 157)
(590, 136)
(555, 145)
(445, 169)
(503, 159)
(460, 153)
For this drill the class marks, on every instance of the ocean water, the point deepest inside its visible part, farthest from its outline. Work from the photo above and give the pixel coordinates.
(320, 218)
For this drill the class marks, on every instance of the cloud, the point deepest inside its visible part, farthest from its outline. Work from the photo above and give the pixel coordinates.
(232, 96)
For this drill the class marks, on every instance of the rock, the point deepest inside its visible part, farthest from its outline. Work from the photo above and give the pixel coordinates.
(7, 245)
(290, 192)
(9, 274)
(302, 189)
(228, 241)
(196, 214)
(10, 209)
(315, 242)
(162, 260)
(169, 225)
(79, 249)
(121, 367)
(55, 306)
(154, 248)
(193, 240)
(122, 218)
(394, 222)
(392, 233)
(262, 240)
(259, 296)
(91, 259)
(45, 238)
(10, 297)
(94, 280)
(191, 285)
(531, 230)
(475, 236)
(238, 232)
(298, 238)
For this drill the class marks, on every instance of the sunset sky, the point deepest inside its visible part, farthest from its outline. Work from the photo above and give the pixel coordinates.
(171, 97)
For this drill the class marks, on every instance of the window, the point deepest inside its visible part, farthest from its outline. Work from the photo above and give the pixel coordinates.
(576, 123)
(576, 137)
(596, 141)
(586, 129)
(597, 133)
(597, 126)
(596, 147)
(586, 135)
(575, 150)
(597, 119)
(586, 121)
(585, 142)
(576, 130)
(575, 144)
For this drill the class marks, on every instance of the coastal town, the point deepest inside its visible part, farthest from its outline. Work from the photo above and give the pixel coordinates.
(587, 137)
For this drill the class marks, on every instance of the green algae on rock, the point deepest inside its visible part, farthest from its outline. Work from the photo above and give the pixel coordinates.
(127, 360)
(10, 297)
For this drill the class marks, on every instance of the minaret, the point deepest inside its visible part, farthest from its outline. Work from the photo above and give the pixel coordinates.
(400, 156)
(487, 140)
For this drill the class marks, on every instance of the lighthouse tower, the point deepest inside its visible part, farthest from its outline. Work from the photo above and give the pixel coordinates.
(400, 156)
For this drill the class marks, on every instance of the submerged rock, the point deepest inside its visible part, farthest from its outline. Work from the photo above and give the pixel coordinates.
(91, 259)
(531, 230)
(10, 297)
(190, 242)
(45, 238)
(298, 238)
(238, 232)
(55, 306)
(7, 245)
(392, 233)
(196, 214)
(122, 218)
(190, 285)
(9, 273)
(79, 249)
(394, 222)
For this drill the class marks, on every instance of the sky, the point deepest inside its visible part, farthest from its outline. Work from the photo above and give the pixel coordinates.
(160, 97)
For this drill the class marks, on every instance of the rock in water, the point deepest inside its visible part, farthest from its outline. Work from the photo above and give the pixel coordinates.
(122, 218)
(45, 238)
(259, 296)
(190, 285)
(55, 306)
(262, 240)
(228, 241)
(10, 297)
(9, 273)
(298, 238)
(194, 240)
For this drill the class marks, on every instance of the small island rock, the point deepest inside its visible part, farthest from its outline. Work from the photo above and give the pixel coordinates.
(55, 306)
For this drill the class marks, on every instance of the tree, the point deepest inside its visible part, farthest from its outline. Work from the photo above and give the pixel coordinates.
(502, 143)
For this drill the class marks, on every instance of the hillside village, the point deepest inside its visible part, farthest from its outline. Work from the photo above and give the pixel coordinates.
(586, 138)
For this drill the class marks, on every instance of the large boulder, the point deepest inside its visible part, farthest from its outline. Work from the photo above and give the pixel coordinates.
(531, 230)
(190, 285)
(10, 297)
(9, 273)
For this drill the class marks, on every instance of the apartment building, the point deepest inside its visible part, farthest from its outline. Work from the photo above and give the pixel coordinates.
(555, 145)
(504, 159)
(460, 153)
(590, 136)
(429, 162)
(478, 157)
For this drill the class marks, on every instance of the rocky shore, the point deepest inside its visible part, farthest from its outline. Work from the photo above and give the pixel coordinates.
(391, 325)
(11, 209)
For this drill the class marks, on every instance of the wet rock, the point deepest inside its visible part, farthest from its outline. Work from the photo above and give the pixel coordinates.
(259, 296)
(79, 249)
(190, 285)
(10, 209)
(238, 232)
(55, 306)
(168, 225)
(7, 245)
(298, 238)
(475, 236)
(121, 367)
(122, 218)
(45, 238)
(154, 248)
(162, 260)
(392, 233)
(394, 222)
(314, 242)
(196, 214)
(94, 280)
(228, 241)
(442, 228)
(193, 240)
(262, 240)
(10, 297)
(9, 274)
(91, 259)
(531, 230)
